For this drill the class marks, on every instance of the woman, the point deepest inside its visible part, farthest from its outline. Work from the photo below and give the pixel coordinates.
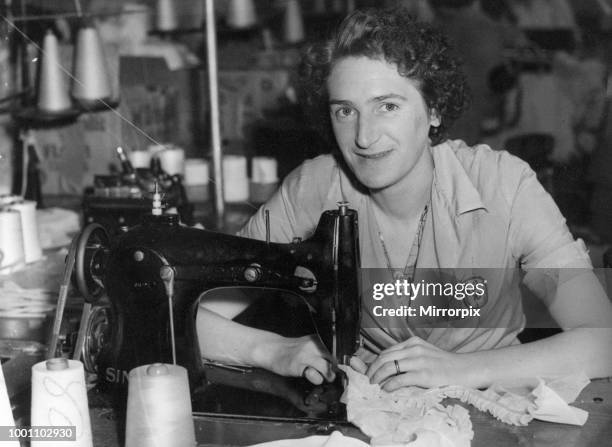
(387, 90)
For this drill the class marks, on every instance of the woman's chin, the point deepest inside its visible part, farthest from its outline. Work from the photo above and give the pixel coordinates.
(373, 184)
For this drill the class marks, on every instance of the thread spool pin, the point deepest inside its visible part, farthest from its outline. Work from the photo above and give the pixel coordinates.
(158, 369)
(343, 207)
(57, 364)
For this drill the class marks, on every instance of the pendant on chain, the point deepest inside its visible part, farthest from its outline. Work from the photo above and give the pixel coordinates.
(401, 276)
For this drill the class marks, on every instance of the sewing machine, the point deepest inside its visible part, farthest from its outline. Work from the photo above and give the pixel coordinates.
(150, 277)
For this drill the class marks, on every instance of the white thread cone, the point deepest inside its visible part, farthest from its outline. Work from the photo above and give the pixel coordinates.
(52, 82)
(159, 407)
(91, 81)
(294, 24)
(59, 398)
(166, 15)
(241, 14)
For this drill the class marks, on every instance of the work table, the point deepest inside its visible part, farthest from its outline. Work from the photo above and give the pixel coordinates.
(219, 431)
(224, 430)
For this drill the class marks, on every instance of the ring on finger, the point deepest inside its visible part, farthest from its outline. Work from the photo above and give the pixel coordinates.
(397, 367)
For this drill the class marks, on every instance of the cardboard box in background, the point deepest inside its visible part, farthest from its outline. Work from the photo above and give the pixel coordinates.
(72, 154)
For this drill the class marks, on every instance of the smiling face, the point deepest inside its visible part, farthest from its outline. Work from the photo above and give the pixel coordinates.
(380, 121)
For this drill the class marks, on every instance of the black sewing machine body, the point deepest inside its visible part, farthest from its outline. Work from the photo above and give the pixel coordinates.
(160, 257)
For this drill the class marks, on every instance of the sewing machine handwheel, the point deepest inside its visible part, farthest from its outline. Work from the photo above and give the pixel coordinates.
(96, 334)
(91, 242)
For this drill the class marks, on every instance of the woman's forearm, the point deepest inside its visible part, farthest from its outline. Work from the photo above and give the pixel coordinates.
(577, 350)
(224, 340)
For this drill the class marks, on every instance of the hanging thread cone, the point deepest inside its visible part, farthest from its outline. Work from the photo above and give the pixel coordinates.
(91, 80)
(159, 407)
(167, 19)
(294, 23)
(241, 14)
(52, 82)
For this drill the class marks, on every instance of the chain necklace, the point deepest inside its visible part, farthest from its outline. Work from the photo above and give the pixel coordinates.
(409, 269)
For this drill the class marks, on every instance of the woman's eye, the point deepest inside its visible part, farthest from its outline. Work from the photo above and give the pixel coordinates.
(343, 112)
(389, 107)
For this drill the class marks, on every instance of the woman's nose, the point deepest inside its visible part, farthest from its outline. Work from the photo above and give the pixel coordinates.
(367, 132)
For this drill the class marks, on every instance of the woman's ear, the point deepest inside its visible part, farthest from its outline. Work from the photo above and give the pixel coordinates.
(434, 118)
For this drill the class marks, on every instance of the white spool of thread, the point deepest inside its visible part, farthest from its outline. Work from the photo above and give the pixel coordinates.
(172, 160)
(140, 159)
(159, 407)
(59, 398)
(196, 171)
(264, 178)
(155, 149)
(197, 176)
(264, 170)
(241, 14)
(90, 78)
(166, 15)
(52, 93)
(235, 179)
(12, 253)
(29, 229)
(135, 24)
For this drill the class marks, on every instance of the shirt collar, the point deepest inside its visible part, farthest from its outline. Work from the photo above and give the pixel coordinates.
(451, 179)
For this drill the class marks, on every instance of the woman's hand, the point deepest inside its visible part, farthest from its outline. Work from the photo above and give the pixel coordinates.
(295, 357)
(420, 363)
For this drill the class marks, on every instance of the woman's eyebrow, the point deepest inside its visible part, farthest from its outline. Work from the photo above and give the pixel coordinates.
(342, 102)
(387, 96)
(378, 98)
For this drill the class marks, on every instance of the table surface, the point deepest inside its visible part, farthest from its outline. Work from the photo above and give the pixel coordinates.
(220, 431)
(212, 430)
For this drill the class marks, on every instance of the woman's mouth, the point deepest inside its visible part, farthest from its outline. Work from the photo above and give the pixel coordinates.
(374, 156)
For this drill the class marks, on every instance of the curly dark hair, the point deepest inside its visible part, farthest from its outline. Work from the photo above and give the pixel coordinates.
(419, 51)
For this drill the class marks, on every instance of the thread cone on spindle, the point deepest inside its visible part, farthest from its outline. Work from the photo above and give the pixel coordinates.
(91, 81)
(241, 14)
(166, 15)
(294, 24)
(52, 94)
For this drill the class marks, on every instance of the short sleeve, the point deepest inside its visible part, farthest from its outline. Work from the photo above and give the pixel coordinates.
(296, 206)
(540, 238)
